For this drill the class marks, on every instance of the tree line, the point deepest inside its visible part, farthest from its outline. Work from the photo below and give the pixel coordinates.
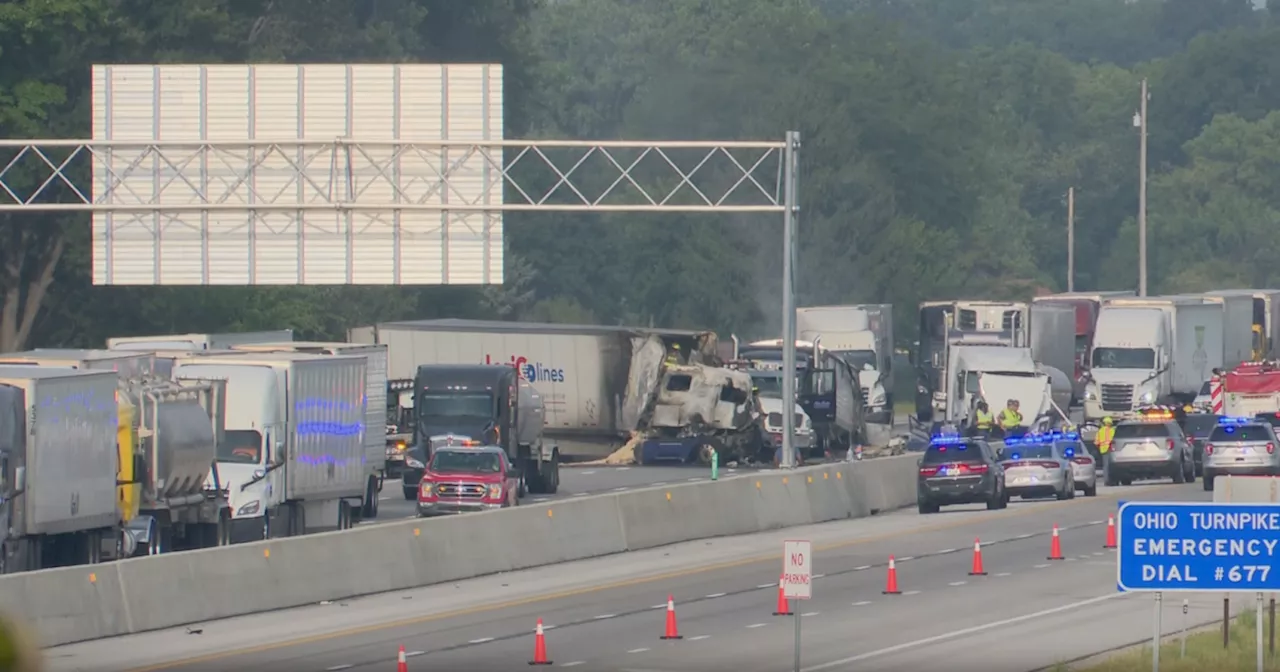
(940, 139)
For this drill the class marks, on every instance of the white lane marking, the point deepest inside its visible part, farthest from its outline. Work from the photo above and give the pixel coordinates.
(1041, 566)
(862, 603)
(604, 616)
(694, 639)
(539, 500)
(957, 583)
(961, 633)
(912, 592)
(1024, 536)
(1097, 522)
(859, 569)
(624, 468)
(695, 479)
(946, 550)
(482, 640)
(818, 576)
(640, 650)
(906, 558)
(620, 489)
(411, 654)
(766, 585)
(581, 494)
(1099, 553)
(811, 613)
(659, 483)
(1071, 559)
(385, 498)
(1004, 574)
(757, 625)
(588, 472)
(713, 596)
(576, 662)
(659, 606)
(548, 627)
(337, 667)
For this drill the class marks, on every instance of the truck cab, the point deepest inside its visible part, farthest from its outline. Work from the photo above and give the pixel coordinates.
(944, 324)
(1131, 346)
(489, 404)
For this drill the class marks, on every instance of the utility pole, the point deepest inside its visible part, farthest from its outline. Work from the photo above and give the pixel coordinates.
(1071, 239)
(1140, 120)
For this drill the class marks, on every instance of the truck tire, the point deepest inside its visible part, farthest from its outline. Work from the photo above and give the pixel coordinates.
(370, 508)
(549, 475)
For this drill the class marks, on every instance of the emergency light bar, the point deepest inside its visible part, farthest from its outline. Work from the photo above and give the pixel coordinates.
(946, 440)
(1234, 421)
(1044, 437)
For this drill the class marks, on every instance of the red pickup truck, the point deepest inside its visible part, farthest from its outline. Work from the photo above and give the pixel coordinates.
(459, 479)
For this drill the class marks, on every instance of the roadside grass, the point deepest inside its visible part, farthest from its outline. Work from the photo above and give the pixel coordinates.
(904, 408)
(1204, 652)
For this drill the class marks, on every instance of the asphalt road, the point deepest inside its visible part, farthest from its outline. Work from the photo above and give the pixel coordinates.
(608, 613)
(574, 482)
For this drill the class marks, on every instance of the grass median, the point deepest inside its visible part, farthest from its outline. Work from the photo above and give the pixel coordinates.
(1204, 652)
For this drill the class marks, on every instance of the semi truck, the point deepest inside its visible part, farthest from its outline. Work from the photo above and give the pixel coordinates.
(57, 467)
(1152, 350)
(1237, 326)
(944, 324)
(1052, 337)
(1086, 306)
(167, 436)
(489, 405)
(377, 456)
(597, 383)
(293, 458)
(862, 335)
(827, 387)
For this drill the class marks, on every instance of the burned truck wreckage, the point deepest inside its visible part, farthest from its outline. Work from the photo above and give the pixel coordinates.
(666, 393)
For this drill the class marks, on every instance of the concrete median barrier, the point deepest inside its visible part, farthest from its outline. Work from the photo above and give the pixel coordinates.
(81, 603)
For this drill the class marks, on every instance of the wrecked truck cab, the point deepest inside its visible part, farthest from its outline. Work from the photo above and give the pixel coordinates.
(699, 409)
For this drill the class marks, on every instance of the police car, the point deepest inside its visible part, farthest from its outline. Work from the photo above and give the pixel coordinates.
(1151, 445)
(1240, 447)
(1048, 464)
(959, 470)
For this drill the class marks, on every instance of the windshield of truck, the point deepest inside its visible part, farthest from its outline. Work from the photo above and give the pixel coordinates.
(465, 462)
(1124, 358)
(859, 359)
(469, 405)
(241, 446)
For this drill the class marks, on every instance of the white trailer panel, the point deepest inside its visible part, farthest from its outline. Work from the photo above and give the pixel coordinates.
(1198, 345)
(225, 105)
(1053, 336)
(70, 451)
(375, 385)
(194, 342)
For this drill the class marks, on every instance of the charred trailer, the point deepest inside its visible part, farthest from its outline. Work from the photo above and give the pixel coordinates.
(700, 413)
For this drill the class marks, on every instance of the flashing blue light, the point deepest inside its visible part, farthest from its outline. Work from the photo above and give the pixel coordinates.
(1015, 456)
(945, 439)
(1224, 420)
(1070, 452)
(1071, 436)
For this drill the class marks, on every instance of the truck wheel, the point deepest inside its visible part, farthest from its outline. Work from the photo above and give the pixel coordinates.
(370, 508)
(550, 475)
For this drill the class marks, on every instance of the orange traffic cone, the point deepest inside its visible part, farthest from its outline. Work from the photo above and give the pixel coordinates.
(977, 560)
(401, 665)
(782, 609)
(1055, 546)
(891, 586)
(672, 631)
(539, 647)
(1111, 532)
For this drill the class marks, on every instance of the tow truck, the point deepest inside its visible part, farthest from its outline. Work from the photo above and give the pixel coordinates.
(463, 477)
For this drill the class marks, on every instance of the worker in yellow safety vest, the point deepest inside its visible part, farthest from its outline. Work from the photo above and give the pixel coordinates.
(983, 418)
(1010, 417)
(1106, 434)
(18, 650)
(673, 355)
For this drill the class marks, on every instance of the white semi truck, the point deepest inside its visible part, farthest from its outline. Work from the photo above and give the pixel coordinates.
(167, 438)
(293, 458)
(863, 336)
(57, 467)
(945, 324)
(193, 342)
(375, 449)
(1152, 350)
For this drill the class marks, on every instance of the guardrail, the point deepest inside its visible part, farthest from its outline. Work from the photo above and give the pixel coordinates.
(93, 601)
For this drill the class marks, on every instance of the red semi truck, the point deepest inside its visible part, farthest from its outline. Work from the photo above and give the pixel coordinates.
(1087, 305)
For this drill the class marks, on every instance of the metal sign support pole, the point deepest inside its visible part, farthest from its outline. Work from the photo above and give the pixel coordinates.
(1258, 627)
(1155, 636)
(790, 167)
(1185, 605)
(797, 617)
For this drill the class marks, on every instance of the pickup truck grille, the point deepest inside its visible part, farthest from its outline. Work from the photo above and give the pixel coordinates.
(460, 490)
(1117, 397)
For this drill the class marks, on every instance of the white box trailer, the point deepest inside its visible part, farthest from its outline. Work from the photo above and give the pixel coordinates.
(861, 334)
(375, 445)
(198, 341)
(1237, 327)
(295, 423)
(594, 380)
(57, 466)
